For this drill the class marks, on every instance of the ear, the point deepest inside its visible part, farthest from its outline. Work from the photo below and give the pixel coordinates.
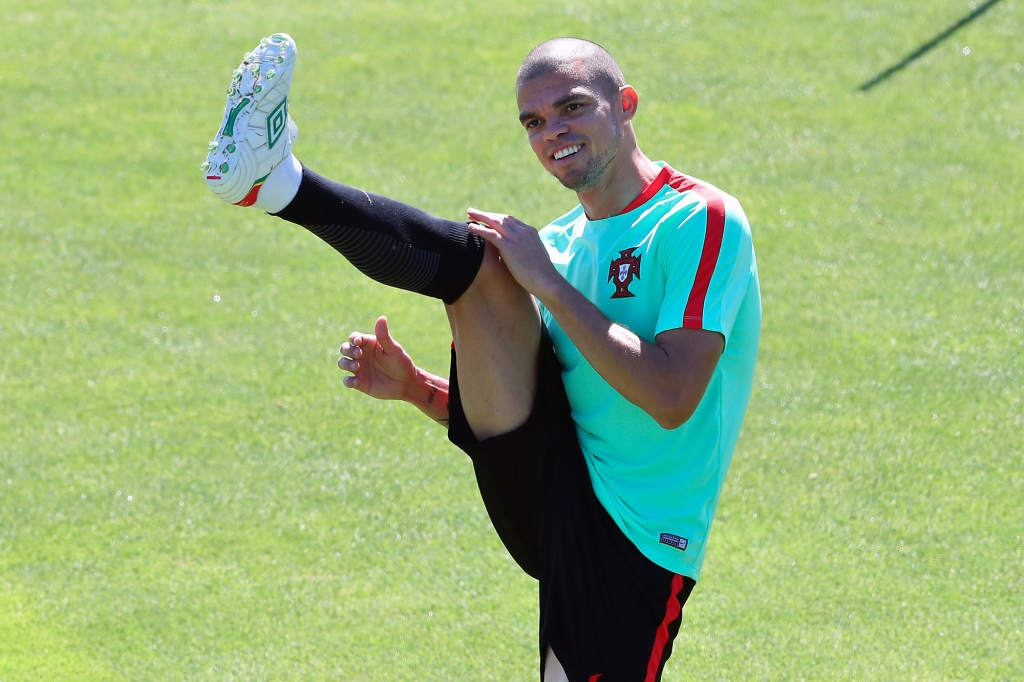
(629, 99)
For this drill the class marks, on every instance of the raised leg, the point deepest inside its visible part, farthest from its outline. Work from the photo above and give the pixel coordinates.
(496, 326)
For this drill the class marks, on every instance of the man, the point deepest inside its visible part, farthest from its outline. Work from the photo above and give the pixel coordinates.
(600, 368)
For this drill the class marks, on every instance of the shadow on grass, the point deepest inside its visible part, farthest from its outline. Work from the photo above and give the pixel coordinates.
(921, 51)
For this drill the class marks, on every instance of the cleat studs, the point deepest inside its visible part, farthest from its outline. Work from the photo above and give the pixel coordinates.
(231, 148)
(224, 167)
(205, 166)
(255, 68)
(271, 74)
(279, 59)
(257, 89)
(231, 91)
(277, 37)
(213, 146)
(248, 56)
(264, 42)
(236, 75)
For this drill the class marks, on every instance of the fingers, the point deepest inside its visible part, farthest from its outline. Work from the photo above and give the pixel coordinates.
(351, 351)
(383, 334)
(351, 382)
(493, 236)
(353, 348)
(348, 365)
(494, 226)
(486, 217)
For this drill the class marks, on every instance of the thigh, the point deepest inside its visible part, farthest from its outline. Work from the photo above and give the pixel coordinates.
(606, 609)
(513, 468)
(496, 327)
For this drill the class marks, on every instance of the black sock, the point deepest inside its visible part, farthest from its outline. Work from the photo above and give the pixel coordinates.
(388, 241)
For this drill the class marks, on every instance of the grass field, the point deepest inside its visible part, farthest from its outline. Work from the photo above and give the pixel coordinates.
(188, 493)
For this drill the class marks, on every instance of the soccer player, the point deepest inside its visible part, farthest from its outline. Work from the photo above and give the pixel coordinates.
(600, 367)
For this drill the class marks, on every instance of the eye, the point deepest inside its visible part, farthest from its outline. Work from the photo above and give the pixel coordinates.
(573, 107)
(532, 123)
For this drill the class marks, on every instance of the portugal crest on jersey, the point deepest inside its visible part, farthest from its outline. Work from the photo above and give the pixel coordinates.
(622, 271)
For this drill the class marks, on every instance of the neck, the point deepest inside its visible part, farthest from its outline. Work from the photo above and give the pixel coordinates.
(623, 180)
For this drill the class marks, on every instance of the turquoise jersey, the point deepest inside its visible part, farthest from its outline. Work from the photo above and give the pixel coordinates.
(680, 256)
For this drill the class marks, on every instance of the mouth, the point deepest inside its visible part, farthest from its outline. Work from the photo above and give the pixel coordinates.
(567, 152)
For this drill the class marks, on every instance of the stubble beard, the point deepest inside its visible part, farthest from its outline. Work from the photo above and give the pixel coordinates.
(591, 175)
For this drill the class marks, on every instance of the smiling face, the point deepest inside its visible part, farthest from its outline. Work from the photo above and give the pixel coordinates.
(575, 129)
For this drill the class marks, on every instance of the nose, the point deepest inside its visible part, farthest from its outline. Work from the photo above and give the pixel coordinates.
(555, 129)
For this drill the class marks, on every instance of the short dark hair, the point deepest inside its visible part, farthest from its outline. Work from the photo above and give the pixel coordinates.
(574, 57)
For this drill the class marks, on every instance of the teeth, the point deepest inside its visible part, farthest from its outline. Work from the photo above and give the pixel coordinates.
(562, 153)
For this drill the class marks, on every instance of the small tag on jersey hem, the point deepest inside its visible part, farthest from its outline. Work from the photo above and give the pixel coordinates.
(673, 541)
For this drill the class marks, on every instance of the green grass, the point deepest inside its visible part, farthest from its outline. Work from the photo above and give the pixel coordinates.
(281, 528)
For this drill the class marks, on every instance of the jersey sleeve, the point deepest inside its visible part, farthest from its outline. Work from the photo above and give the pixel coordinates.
(708, 261)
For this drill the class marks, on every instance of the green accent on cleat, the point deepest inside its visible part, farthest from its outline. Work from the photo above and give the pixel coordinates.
(231, 148)
(264, 42)
(255, 68)
(213, 146)
(257, 89)
(277, 36)
(270, 74)
(236, 75)
(205, 166)
(277, 123)
(224, 167)
(229, 126)
(279, 59)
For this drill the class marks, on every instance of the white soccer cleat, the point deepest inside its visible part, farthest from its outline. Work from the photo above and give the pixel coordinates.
(257, 133)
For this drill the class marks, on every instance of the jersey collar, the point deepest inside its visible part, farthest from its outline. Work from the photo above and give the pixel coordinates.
(659, 181)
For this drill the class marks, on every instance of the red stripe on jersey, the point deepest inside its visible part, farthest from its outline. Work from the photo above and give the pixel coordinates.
(656, 184)
(672, 610)
(693, 314)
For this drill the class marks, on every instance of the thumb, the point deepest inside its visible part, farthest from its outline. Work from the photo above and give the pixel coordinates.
(383, 334)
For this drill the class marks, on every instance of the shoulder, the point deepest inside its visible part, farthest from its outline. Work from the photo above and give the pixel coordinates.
(563, 223)
(713, 209)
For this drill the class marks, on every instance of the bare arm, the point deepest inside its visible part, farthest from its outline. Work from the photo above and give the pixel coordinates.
(666, 379)
(382, 369)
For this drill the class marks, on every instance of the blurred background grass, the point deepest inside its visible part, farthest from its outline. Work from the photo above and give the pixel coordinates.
(186, 491)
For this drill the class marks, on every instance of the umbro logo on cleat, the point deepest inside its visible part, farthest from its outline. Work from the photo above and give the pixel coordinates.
(256, 133)
(277, 123)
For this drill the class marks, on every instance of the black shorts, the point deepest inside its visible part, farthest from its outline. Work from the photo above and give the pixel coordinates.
(605, 609)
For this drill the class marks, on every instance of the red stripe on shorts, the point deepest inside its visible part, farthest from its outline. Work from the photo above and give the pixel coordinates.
(672, 610)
